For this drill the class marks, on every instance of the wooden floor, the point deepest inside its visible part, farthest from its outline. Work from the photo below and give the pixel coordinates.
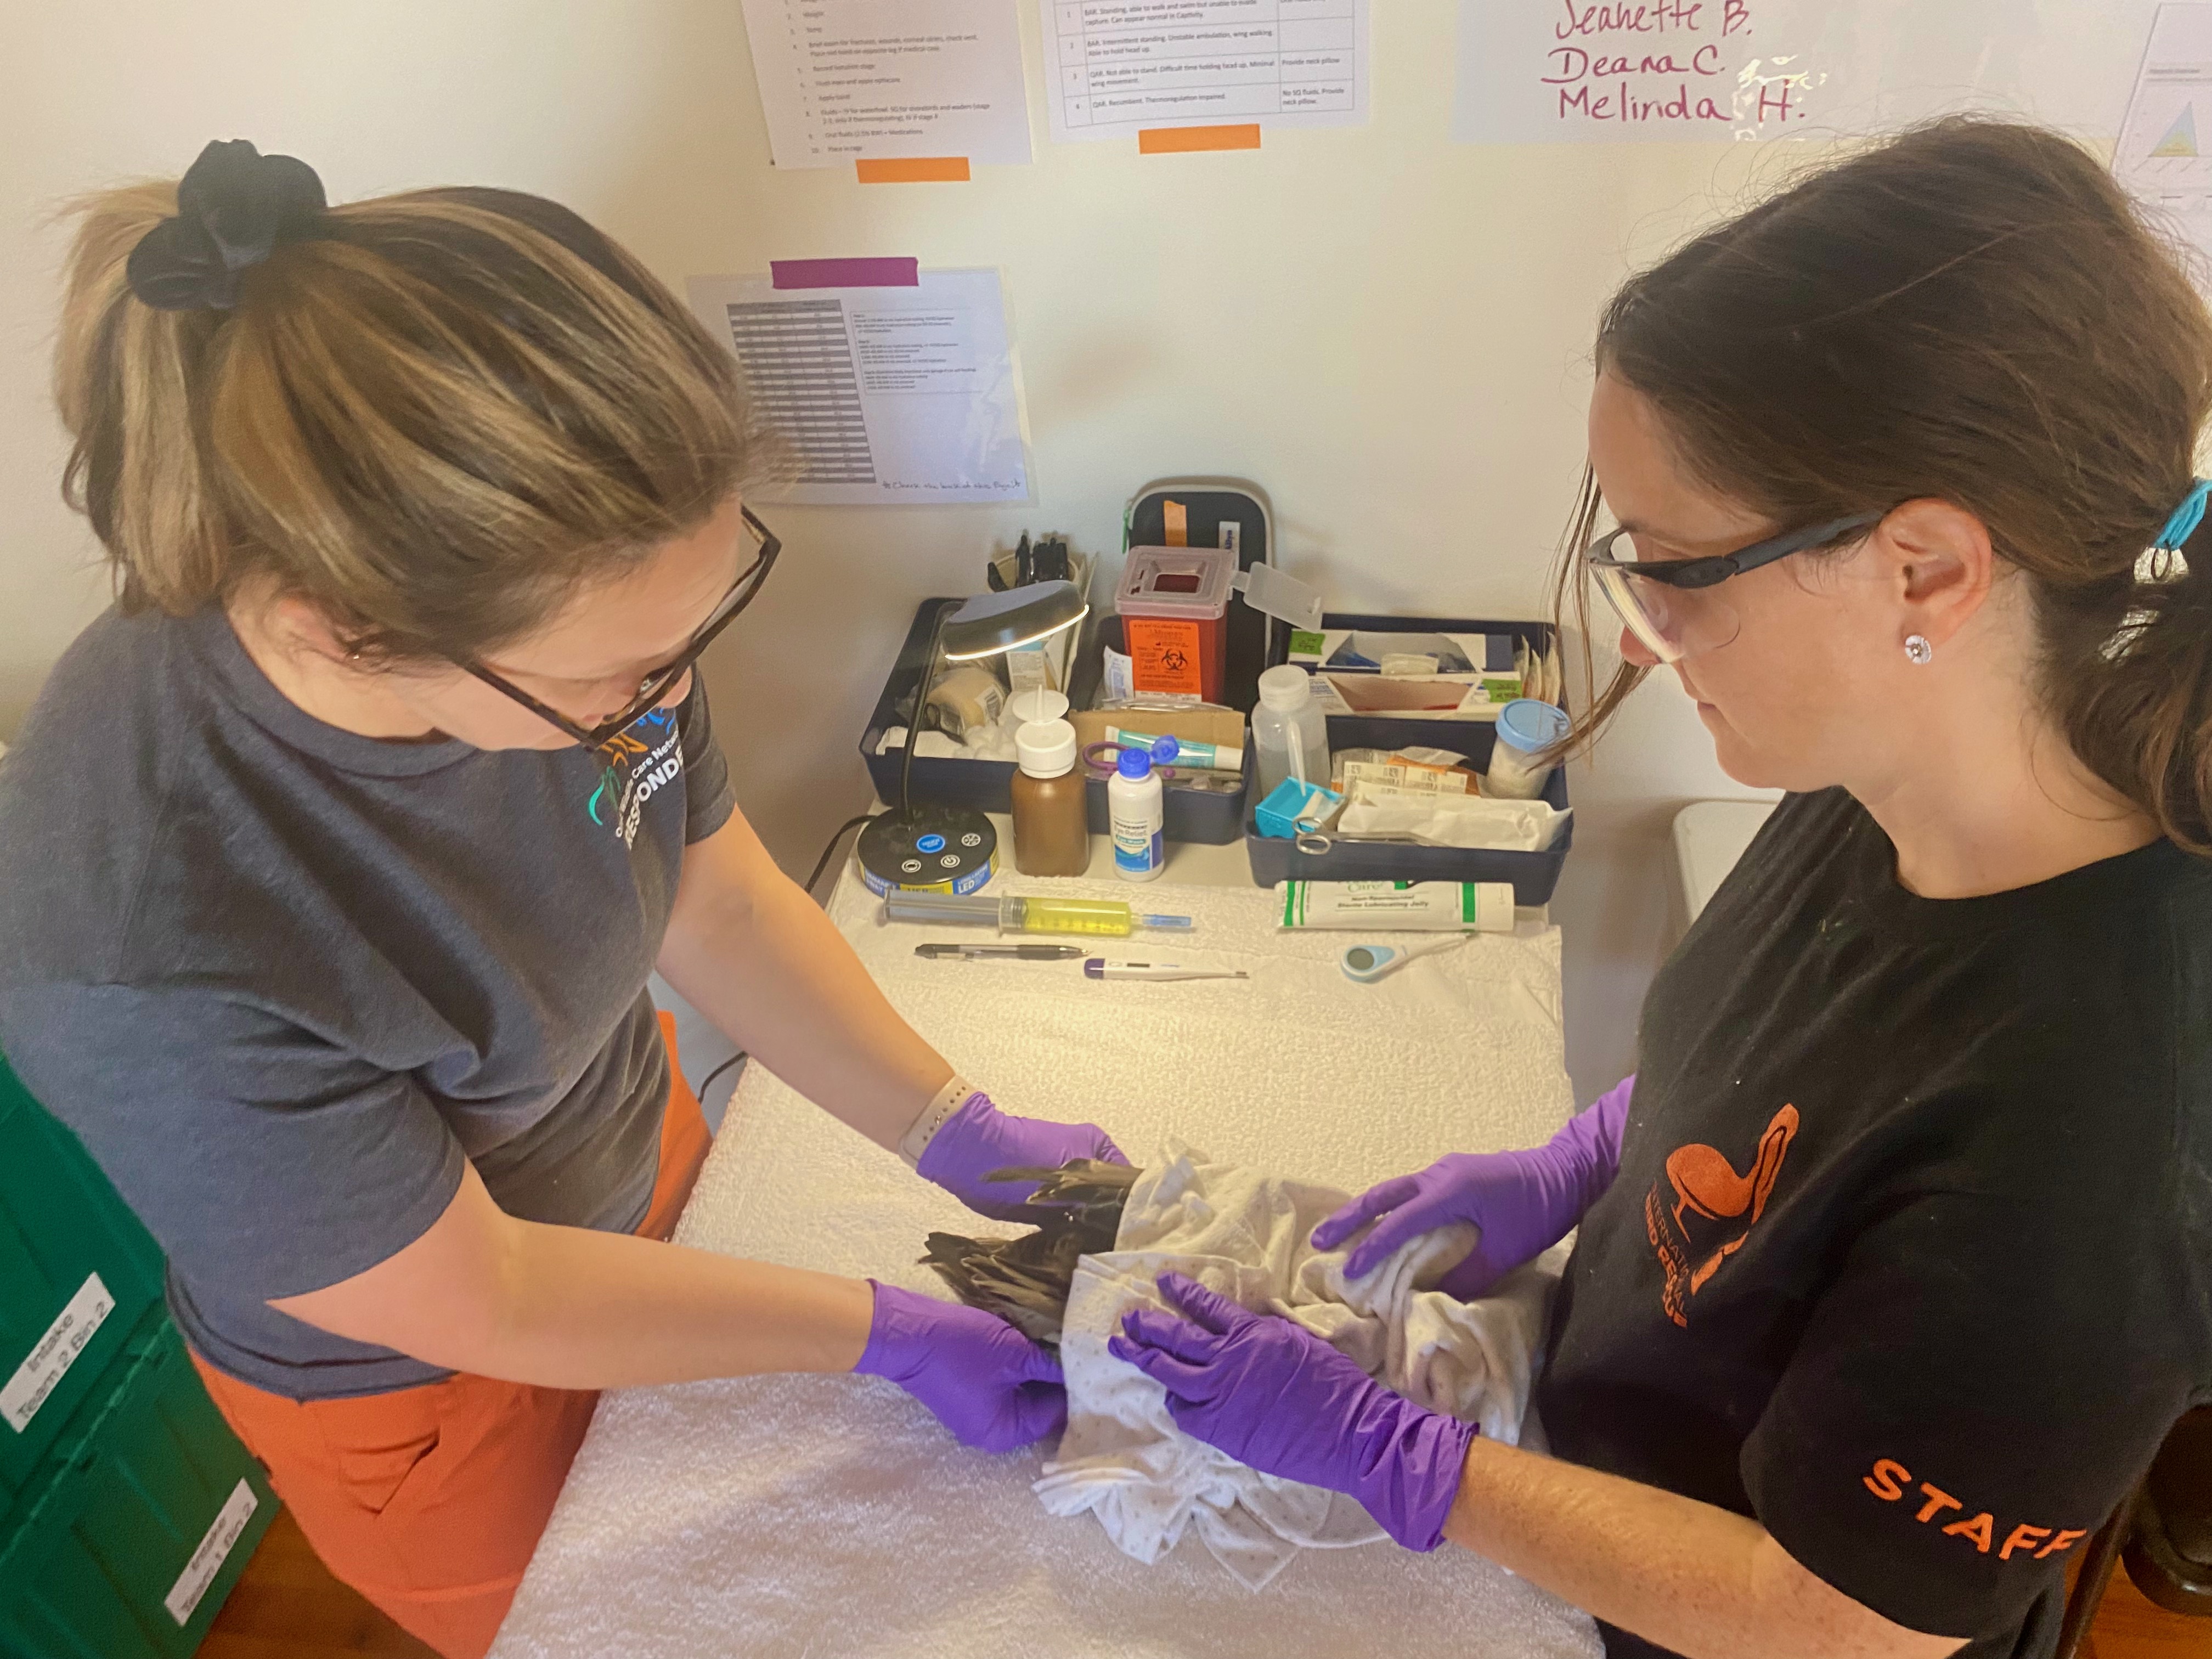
(287, 1606)
(2129, 1627)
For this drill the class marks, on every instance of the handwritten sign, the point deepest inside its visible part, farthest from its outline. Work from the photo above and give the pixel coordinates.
(1642, 70)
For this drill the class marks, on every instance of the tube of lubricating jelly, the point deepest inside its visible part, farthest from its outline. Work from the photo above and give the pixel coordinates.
(1425, 906)
(1202, 756)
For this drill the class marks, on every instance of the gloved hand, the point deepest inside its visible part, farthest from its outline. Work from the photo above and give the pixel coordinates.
(992, 1387)
(1524, 1202)
(1273, 1395)
(979, 1138)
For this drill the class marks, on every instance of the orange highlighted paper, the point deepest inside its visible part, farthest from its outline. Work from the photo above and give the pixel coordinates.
(914, 170)
(1177, 141)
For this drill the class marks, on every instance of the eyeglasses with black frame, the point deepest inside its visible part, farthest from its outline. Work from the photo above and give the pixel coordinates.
(1665, 602)
(654, 686)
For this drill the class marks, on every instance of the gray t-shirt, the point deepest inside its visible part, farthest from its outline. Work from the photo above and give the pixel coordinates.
(283, 979)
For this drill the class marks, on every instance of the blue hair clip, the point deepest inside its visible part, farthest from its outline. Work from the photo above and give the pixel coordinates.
(2186, 517)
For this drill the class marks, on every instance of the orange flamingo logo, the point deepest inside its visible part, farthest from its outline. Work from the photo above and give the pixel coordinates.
(1712, 1204)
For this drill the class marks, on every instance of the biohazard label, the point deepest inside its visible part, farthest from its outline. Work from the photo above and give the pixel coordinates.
(1165, 655)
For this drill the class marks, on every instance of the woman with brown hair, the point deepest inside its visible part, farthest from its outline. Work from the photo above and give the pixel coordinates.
(1895, 1255)
(334, 861)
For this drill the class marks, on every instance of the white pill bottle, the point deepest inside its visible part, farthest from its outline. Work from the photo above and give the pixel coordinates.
(1136, 815)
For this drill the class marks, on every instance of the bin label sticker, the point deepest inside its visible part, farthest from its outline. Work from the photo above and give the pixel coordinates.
(37, 1377)
(214, 1549)
(1166, 653)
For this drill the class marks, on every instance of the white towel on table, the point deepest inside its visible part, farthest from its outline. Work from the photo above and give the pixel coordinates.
(1245, 1235)
(833, 1518)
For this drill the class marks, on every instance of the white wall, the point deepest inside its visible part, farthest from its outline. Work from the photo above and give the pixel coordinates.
(1386, 331)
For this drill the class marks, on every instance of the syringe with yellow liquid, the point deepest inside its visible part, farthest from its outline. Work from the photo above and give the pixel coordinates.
(1097, 917)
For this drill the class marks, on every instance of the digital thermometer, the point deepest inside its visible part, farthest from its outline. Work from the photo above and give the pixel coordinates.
(1363, 964)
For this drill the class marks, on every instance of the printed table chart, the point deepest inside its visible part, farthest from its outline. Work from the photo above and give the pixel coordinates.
(1122, 63)
(799, 366)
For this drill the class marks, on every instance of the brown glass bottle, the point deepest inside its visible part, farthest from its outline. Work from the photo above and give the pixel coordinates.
(1052, 824)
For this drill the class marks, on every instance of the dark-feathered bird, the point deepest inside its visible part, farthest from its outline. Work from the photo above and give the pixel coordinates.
(1025, 1280)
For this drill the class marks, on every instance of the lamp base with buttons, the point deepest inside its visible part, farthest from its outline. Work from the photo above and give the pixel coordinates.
(928, 849)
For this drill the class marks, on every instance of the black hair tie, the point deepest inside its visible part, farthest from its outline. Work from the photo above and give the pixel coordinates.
(235, 208)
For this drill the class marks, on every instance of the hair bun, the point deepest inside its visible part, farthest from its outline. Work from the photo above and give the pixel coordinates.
(235, 208)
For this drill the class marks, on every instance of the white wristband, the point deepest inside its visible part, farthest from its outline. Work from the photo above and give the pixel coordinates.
(942, 1105)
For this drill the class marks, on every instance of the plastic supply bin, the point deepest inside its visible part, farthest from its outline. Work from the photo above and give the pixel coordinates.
(141, 1522)
(1174, 606)
(77, 1273)
(1193, 815)
(1532, 875)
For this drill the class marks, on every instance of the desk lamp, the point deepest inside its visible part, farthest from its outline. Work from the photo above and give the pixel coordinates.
(953, 849)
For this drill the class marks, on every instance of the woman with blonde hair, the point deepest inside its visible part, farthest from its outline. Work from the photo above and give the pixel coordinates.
(334, 860)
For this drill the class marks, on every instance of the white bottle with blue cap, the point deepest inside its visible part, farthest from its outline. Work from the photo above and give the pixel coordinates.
(1136, 813)
(1526, 728)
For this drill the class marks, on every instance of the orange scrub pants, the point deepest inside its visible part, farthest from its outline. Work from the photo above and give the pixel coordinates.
(429, 1500)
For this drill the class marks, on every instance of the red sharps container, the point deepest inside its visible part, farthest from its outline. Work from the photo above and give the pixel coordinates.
(1174, 606)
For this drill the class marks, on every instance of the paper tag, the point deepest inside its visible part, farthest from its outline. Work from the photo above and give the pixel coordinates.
(1176, 519)
(1117, 682)
(1398, 776)
(1028, 670)
(214, 1549)
(49, 1361)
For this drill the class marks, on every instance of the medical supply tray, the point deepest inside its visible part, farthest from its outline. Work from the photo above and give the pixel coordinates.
(1193, 815)
(1210, 508)
(1533, 875)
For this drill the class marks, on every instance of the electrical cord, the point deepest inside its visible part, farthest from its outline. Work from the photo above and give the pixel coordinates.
(835, 835)
(738, 1059)
(820, 864)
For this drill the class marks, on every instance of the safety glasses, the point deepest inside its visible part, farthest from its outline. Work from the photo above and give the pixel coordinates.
(655, 686)
(1669, 604)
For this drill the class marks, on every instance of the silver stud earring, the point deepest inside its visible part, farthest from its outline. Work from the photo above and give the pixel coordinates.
(1918, 649)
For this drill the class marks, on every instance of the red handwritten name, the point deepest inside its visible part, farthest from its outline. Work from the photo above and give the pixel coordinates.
(1601, 80)
(1621, 104)
(1571, 64)
(1651, 17)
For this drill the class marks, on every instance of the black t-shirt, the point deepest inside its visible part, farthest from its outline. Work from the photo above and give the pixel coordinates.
(1910, 1255)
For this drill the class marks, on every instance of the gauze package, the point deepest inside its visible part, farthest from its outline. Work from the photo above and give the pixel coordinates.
(1245, 1235)
(1523, 826)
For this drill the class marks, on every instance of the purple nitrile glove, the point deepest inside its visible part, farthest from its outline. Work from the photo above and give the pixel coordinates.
(1523, 1203)
(992, 1387)
(979, 1139)
(1273, 1395)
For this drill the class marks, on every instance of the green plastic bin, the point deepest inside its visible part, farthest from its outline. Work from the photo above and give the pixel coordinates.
(77, 1275)
(141, 1522)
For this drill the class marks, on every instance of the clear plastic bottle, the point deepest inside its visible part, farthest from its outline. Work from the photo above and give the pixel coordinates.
(1290, 733)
